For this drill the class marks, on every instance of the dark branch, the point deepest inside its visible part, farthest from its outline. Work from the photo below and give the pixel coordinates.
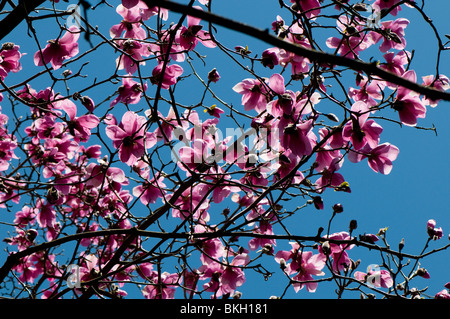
(313, 55)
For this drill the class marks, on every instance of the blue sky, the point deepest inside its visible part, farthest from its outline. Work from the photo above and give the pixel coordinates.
(415, 191)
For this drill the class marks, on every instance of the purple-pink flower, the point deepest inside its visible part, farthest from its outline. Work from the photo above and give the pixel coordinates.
(380, 158)
(375, 277)
(59, 50)
(170, 77)
(130, 137)
(304, 265)
(9, 59)
(408, 103)
(129, 92)
(360, 130)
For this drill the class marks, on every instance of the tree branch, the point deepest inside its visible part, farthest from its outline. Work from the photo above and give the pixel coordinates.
(311, 54)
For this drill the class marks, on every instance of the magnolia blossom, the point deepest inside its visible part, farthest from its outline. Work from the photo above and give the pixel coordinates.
(150, 191)
(9, 59)
(130, 137)
(354, 40)
(442, 83)
(170, 77)
(380, 158)
(254, 94)
(129, 92)
(130, 26)
(134, 53)
(360, 130)
(392, 33)
(59, 50)
(304, 265)
(375, 278)
(408, 103)
(310, 7)
(189, 36)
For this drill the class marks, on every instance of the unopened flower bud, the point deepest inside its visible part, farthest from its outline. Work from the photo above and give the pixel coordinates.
(282, 263)
(31, 234)
(422, 272)
(88, 103)
(318, 202)
(213, 75)
(353, 225)
(338, 208)
(401, 244)
(237, 295)
(355, 264)
(326, 248)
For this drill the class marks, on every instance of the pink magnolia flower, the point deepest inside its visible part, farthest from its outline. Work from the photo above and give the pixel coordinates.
(104, 175)
(338, 252)
(299, 138)
(59, 50)
(442, 83)
(359, 130)
(130, 137)
(379, 5)
(9, 59)
(285, 164)
(354, 40)
(224, 279)
(269, 58)
(254, 94)
(46, 216)
(130, 26)
(443, 294)
(408, 103)
(331, 178)
(25, 216)
(192, 204)
(170, 77)
(189, 36)
(264, 228)
(163, 288)
(380, 158)
(129, 92)
(135, 51)
(434, 232)
(150, 191)
(212, 249)
(374, 277)
(396, 62)
(304, 265)
(79, 127)
(295, 34)
(368, 92)
(310, 7)
(392, 33)
(286, 98)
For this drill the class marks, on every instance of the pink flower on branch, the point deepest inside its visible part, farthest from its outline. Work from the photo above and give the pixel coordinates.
(130, 26)
(375, 277)
(304, 265)
(9, 59)
(408, 103)
(130, 137)
(380, 158)
(133, 53)
(189, 36)
(129, 92)
(442, 83)
(59, 50)
(360, 130)
(170, 77)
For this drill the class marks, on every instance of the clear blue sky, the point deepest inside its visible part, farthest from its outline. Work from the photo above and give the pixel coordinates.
(415, 191)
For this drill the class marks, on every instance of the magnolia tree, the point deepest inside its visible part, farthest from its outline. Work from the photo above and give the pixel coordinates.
(125, 173)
